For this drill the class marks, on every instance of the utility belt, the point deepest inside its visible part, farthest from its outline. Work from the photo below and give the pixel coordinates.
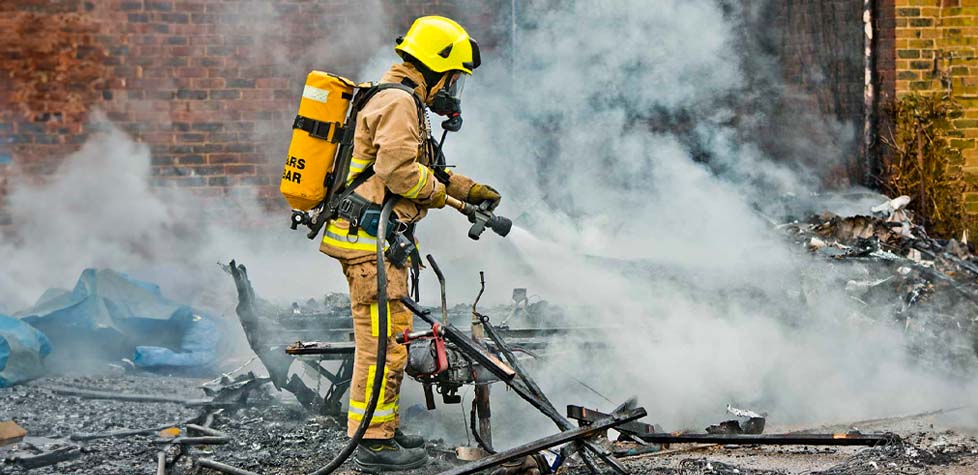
(363, 214)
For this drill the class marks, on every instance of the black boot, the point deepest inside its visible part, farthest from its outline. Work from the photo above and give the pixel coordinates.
(384, 455)
(408, 441)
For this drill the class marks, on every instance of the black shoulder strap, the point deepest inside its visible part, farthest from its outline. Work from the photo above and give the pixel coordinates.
(359, 103)
(366, 95)
(361, 99)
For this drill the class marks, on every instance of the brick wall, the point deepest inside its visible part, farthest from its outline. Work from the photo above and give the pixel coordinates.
(209, 85)
(819, 47)
(935, 49)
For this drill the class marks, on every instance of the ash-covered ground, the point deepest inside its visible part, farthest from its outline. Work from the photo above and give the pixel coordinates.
(267, 437)
(270, 436)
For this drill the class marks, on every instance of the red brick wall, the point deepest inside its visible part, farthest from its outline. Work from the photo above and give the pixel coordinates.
(210, 85)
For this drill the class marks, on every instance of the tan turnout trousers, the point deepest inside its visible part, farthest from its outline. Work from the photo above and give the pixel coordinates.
(362, 278)
(390, 137)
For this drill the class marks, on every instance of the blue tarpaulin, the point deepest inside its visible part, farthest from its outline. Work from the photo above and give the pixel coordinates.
(22, 351)
(109, 316)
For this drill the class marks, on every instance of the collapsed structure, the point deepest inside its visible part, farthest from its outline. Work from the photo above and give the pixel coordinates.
(306, 349)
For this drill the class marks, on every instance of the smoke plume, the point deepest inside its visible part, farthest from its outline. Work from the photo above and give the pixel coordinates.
(624, 138)
(627, 144)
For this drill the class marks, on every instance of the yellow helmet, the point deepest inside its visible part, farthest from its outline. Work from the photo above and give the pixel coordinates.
(441, 44)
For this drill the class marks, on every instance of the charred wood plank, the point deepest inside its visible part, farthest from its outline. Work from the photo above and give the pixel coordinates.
(546, 443)
(850, 439)
(47, 458)
(589, 416)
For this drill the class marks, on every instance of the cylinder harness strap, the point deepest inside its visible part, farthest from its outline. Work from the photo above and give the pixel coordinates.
(320, 129)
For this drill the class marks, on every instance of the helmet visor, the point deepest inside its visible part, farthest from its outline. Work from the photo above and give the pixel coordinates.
(456, 83)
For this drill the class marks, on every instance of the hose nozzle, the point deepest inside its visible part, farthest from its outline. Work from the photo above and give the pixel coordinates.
(481, 218)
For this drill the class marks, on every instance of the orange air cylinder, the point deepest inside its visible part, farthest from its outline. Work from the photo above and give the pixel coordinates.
(316, 135)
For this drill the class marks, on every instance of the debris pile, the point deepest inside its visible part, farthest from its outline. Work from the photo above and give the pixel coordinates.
(901, 457)
(929, 285)
(703, 466)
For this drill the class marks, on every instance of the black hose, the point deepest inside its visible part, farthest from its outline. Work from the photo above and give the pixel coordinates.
(385, 215)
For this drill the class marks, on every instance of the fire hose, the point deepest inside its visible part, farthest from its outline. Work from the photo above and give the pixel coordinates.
(382, 318)
(482, 218)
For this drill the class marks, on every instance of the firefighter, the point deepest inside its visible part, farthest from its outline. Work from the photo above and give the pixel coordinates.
(391, 139)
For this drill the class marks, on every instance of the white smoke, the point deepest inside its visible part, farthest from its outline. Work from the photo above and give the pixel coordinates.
(706, 304)
(99, 210)
(617, 219)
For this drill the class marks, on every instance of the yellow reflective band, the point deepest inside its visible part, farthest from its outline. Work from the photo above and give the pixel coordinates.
(377, 417)
(375, 319)
(336, 236)
(384, 411)
(360, 164)
(357, 165)
(360, 408)
(422, 181)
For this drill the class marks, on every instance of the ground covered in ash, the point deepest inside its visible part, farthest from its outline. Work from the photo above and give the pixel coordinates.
(271, 437)
(266, 436)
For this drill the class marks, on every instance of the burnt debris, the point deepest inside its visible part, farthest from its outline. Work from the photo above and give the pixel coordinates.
(928, 285)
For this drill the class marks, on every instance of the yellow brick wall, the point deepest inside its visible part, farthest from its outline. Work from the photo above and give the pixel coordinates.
(937, 51)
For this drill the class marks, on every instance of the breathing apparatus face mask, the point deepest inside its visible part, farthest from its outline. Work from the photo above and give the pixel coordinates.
(447, 101)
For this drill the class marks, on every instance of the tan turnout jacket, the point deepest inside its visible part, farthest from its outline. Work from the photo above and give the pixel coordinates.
(391, 136)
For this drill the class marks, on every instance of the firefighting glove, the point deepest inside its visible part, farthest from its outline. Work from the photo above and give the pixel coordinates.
(479, 193)
(437, 199)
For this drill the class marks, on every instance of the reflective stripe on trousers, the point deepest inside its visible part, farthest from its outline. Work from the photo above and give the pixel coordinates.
(385, 411)
(375, 319)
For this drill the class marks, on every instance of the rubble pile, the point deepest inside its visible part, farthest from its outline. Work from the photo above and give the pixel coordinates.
(927, 284)
(120, 433)
(52, 419)
(904, 457)
(703, 466)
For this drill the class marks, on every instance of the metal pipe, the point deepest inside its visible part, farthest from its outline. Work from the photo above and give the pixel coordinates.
(82, 436)
(223, 468)
(203, 440)
(482, 391)
(551, 411)
(206, 430)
